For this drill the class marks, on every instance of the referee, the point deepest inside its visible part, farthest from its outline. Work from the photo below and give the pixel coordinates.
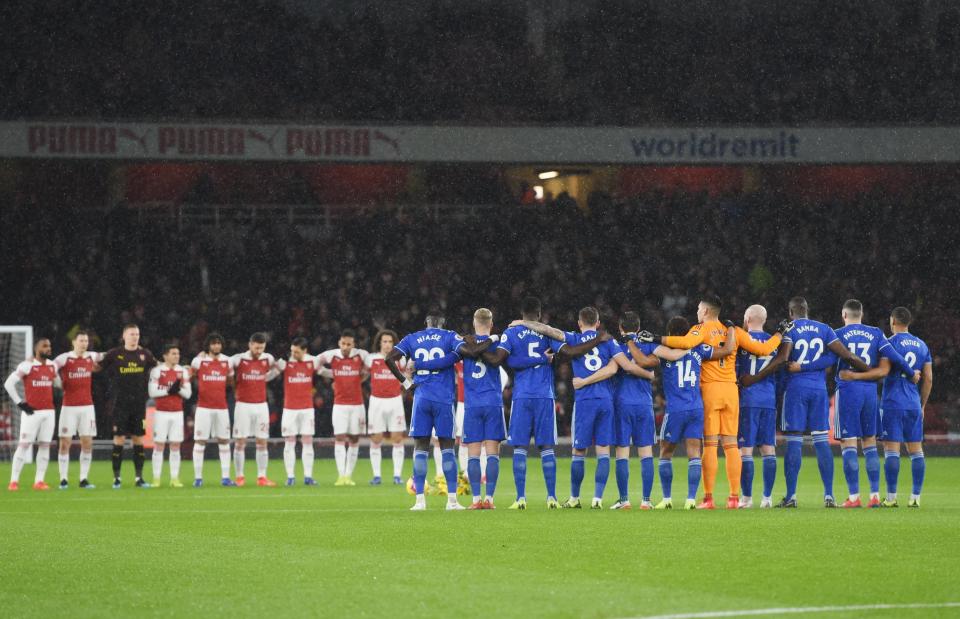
(128, 369)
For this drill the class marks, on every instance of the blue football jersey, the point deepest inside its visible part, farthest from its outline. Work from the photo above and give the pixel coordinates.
(533, 377)
(585, 365)
(681, 379)
(429, 345)
(632, 389)
(481, 382)
(899, 393)
(864, 341)
(764, 393)
(810, 339)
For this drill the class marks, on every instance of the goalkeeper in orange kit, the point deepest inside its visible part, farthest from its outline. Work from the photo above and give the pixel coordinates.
(721, 400)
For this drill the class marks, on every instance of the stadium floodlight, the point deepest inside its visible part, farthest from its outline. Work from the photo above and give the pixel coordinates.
(548, 175)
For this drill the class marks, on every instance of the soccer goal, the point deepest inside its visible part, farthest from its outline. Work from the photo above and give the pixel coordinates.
(16, 345)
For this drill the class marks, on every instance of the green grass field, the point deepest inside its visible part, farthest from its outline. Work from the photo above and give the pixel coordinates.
(359, 552)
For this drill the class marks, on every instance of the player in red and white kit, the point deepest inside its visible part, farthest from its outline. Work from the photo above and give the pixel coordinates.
(37, 417)
(211, 419)
(346, 365)
(169, 386)
(77, 415)
(251, 416)
(298, 413)
(385, 414)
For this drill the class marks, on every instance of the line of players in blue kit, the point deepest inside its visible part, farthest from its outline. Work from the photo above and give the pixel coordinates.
(613, 403)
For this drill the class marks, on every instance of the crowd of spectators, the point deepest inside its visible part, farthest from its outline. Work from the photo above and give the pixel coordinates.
(655, 253)
(620, 63)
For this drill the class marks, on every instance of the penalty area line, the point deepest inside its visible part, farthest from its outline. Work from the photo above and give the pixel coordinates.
(798, 610)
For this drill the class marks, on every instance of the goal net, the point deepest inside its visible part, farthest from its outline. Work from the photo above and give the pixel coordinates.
(16, 345)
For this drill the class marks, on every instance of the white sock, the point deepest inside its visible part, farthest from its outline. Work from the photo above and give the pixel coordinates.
(175, 464)
(854, 497)
(340, 455)
(483, 460)
(476, 499)
(462, 455)
(290, 456)
(198, 451)
(438, 460)
(63, 462)
(157, 465)
(451, 497)
(86, 458)
(224, 460)
(376, 457)
(262, 458)
(421, 499)
(306, 456)
(914, 497)
(19, 459)
(238, 459)
(398, 454)
(352, 454)
(43, 459)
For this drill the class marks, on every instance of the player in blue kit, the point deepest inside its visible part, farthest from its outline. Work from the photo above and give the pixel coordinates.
(683, 420)
(758, 414)
(434, 398)
(902, 406)
(593, 399)
(483, 422)
(855, 407)
(806, 403)
(532, 410)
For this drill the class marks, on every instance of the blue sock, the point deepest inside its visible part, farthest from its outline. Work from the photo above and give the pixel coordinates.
(576, 475)
(851, 469)
(473, 473)
(891, 469)
(520, 472)
(769, 474)
(601, 476)
(666, 477)
(646, 476)
(918, 465)
(419, 470)
(450, 469)
(493, 473)
(746, 476)
(791, 463)
(548, 461)
(694, 471)
(623, 478)
(871, 461)
(821, 442)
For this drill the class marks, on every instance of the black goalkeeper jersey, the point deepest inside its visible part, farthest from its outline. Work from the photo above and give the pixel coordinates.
(128, 372)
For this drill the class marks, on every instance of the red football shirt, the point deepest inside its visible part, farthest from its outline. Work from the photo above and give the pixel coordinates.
(383, 384)
(76, 374)
(212, 374)
(298, 382)
(251, 376)
(347, 375)
(38, 378)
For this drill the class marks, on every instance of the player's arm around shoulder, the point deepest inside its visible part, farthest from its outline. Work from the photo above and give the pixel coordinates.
(694, 337)
(543, 329)
(604, 373)
(729, 344)
(744, 340)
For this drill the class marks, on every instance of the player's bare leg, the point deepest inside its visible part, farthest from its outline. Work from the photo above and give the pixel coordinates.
(263, 458)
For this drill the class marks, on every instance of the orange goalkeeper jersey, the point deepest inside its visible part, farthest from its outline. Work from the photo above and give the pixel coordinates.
(713, 333)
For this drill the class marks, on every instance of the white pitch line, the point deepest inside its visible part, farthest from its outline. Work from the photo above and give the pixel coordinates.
(195, 511)
(798, 610)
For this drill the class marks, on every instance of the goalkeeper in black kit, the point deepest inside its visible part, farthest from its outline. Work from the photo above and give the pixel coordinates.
(128, 369)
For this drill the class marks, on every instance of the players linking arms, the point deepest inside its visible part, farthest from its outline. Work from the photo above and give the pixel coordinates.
(783, 356)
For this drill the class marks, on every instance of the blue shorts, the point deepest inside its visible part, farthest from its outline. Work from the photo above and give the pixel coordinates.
(633, 423)
(902, 426)
(758, 426)
(592, 423)
(680, 425)
(855, 411)
(428, 416)
(533, 418)
(483, 423)
(805, 410)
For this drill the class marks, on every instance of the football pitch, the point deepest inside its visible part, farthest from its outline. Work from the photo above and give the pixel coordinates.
(359, 552)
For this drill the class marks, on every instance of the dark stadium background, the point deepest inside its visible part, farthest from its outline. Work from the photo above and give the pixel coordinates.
(189, 247)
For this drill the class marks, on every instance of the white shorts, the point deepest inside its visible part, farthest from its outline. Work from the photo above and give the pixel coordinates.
(349, 419)
(297, 421)
(211, 423)
(458, 420)
(251, 420)
(37, 427)
(386, 415)
(167, 427)
(76, 420)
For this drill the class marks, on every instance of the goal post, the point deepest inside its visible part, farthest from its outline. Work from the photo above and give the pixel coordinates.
(16, 345)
